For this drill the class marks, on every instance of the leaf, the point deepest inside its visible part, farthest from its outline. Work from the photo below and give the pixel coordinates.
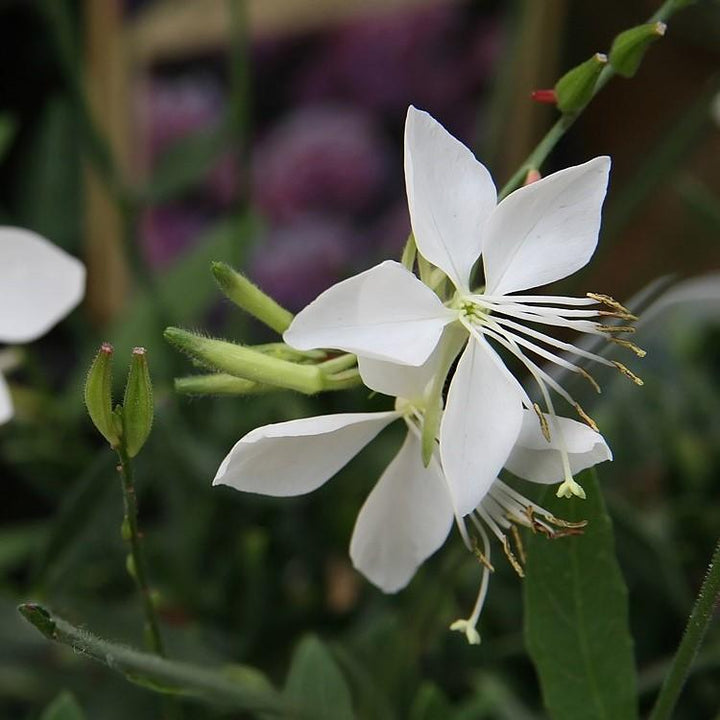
(576, 615)
(63, 707)
(430, 704)
(316, 683)
(8, 130)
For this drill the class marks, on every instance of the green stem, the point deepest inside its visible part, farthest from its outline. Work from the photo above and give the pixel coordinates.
(538, 156)
(698, 623)
(131, 533)
(157, 673)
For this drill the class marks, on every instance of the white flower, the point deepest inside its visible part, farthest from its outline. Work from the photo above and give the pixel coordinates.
(408, 514)
(39, 285)
(538, 234)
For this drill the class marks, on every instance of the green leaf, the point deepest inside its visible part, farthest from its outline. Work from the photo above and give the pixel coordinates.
(430, 704)
(63, 707)
(8, 130)
(576, 615)
(316, 683)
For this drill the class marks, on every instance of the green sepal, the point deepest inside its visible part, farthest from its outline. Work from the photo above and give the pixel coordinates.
(250, 298)
(629, 47)
(409, 253)
(575, 89)
(219, 384)
(138, 409)
(98, 395)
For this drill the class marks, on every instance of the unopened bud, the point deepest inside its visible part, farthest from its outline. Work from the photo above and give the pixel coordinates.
(98, 396)
(548, 97)
(250, 298)
(628, 48)
(137, 411)
(575, 89)
(533, 175)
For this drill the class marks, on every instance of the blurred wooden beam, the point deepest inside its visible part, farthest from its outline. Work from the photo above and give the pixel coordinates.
(170, 29)
(106, 85)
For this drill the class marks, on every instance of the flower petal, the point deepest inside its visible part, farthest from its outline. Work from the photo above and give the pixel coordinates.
(405, 519)
(298, 456)
(39, 285)
(6, 406)
(537, 460)
(480, 424)
(545, 231)
(450, 195)
(405, 381)
(384, 313)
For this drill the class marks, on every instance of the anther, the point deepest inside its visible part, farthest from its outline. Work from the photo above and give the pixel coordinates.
(544, 427)
(517, 567)
(627, 373)
(611, 329)
(481, 556)
(617, 314)
(586, 418)
(519, 544)
(610, 302)
(630, 346)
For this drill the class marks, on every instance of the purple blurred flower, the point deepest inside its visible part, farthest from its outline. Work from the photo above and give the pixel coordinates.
(320, 158)
(167, 230)
(296, 262)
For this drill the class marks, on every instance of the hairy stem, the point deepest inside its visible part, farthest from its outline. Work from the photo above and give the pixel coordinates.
(131, 533)
(698, 624)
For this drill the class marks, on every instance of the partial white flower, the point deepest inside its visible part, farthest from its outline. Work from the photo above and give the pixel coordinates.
(537, 235)
(39, 285)
(408, 514)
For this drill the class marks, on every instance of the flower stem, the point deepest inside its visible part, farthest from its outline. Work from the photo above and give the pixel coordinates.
(698, 623)
(536, 158)
(159, 674)
(131, 533)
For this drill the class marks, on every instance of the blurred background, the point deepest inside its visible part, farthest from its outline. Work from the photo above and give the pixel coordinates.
(149, 138)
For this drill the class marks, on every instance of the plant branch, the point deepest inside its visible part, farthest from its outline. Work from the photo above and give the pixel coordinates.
(536, 158)
(131, 533)
(698, 624)
(156, 673)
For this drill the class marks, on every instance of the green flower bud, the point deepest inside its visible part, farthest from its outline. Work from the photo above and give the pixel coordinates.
(246, 363)
(98, 397)
(137, 410)
(575, 89)
(628, 48)
(250, 298)
(218, 384)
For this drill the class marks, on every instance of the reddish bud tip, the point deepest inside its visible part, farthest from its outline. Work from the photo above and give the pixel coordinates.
(106, 348)
(532, 176)
(138, 351)
(544, 96)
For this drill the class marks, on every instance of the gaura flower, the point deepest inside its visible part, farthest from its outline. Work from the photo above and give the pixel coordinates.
(408, 514)
(538, 234)
(39, 285)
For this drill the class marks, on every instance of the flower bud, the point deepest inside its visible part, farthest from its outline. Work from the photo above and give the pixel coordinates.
(137, 411)
(548, 97)
(575, 88)
(629, 47)
(244, 362)
(98, 397)
(250, 298)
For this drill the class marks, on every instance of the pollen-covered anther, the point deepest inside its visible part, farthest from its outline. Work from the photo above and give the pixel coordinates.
(482, 558)
(629, 346)
(516, 566)
(609, 302)
(615, 329)
(519, 544)
(617, 314)
(627, 373)
(586, 418)
(544, 427)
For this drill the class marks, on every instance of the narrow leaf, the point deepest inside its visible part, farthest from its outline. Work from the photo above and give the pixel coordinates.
(576, 615)
(63, 707)
(316, 683)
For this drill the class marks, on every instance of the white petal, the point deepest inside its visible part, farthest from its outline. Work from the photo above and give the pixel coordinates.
(450, 196)
(480, 424)
(39, 285)
(405, 519)
(384, 313)
(538, 460)
(6, 406)
(547, 230)
(298, 456)
(405, 381)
